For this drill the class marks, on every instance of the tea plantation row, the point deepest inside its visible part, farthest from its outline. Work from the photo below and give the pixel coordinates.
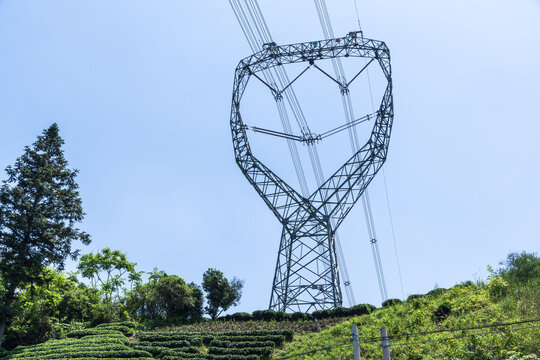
(120, 341)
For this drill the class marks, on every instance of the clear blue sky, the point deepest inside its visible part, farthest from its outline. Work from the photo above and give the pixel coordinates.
(141, 91)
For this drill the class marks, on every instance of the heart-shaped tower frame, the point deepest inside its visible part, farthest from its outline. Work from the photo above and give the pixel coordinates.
(307, 275)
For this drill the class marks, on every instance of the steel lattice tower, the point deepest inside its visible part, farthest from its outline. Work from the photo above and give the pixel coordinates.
(307, 275)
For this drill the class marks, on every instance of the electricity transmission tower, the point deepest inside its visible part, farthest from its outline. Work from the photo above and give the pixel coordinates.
(307, 275)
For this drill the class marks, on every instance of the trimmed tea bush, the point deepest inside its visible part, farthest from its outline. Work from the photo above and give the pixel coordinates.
(87, 332)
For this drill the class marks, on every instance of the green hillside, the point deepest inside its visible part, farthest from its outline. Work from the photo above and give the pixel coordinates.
(422, 327)
(497, 319)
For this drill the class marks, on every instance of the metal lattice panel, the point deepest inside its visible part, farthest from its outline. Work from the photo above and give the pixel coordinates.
(307, 276)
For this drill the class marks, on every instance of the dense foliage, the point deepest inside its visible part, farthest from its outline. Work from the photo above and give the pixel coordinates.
(39, 209)
(42, 312)
(62, 303)
(165, 299)
(271, 315)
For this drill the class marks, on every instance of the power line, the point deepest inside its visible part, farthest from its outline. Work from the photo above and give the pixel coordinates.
(274, 77)
(324, 19)
(464, 329)
(458, 337)
(290, 96)
(253, 25)
(393, 233)
(378, 339)
(367, 207)
(422, 333)
(357, 16)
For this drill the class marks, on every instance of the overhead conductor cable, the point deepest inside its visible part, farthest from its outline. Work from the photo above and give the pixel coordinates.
(256, 21)
(324, 19)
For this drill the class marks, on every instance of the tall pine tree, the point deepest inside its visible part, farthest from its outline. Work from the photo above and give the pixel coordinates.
(39, 209)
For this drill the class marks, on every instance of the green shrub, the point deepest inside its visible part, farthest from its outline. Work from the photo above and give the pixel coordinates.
(264, 315)
(282, 316)
(152, 349)
(339, 312)
(76, 352)
(497, 288)
(264, 351)
(241, 344)
(414, 297)
(195, 339)
(86, 332)
(442, 312)
(391, 302)
(276, 339)
(232, 357)
(239, 316)
(103, 338)
(437, 292)
(129, 324)
(287, 334)
(298, 316)
(104, 312)
(123, 329)
(362, 309)
(211, 357)
(167, 344)
(465, 284)
(186, 350)
(320, 314)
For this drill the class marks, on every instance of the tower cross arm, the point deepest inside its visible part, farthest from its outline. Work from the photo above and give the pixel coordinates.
(340, 192)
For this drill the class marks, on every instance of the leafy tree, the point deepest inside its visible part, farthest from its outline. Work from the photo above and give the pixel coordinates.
(221, 293)
(521, 267)
(195, 312)
(61, 296)
(108, 269)
(165, 297)
(39, 209)
(40, 310)
(518, 281)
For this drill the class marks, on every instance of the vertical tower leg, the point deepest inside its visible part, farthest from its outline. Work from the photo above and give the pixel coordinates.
(278, 299)
(306, 276)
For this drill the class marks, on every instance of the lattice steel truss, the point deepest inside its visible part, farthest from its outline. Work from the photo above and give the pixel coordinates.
(307, 275)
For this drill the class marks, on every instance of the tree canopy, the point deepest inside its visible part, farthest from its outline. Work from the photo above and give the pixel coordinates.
(39, 209)
(521, 267)
(165, 297)
(221, 293)
(108, 269)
